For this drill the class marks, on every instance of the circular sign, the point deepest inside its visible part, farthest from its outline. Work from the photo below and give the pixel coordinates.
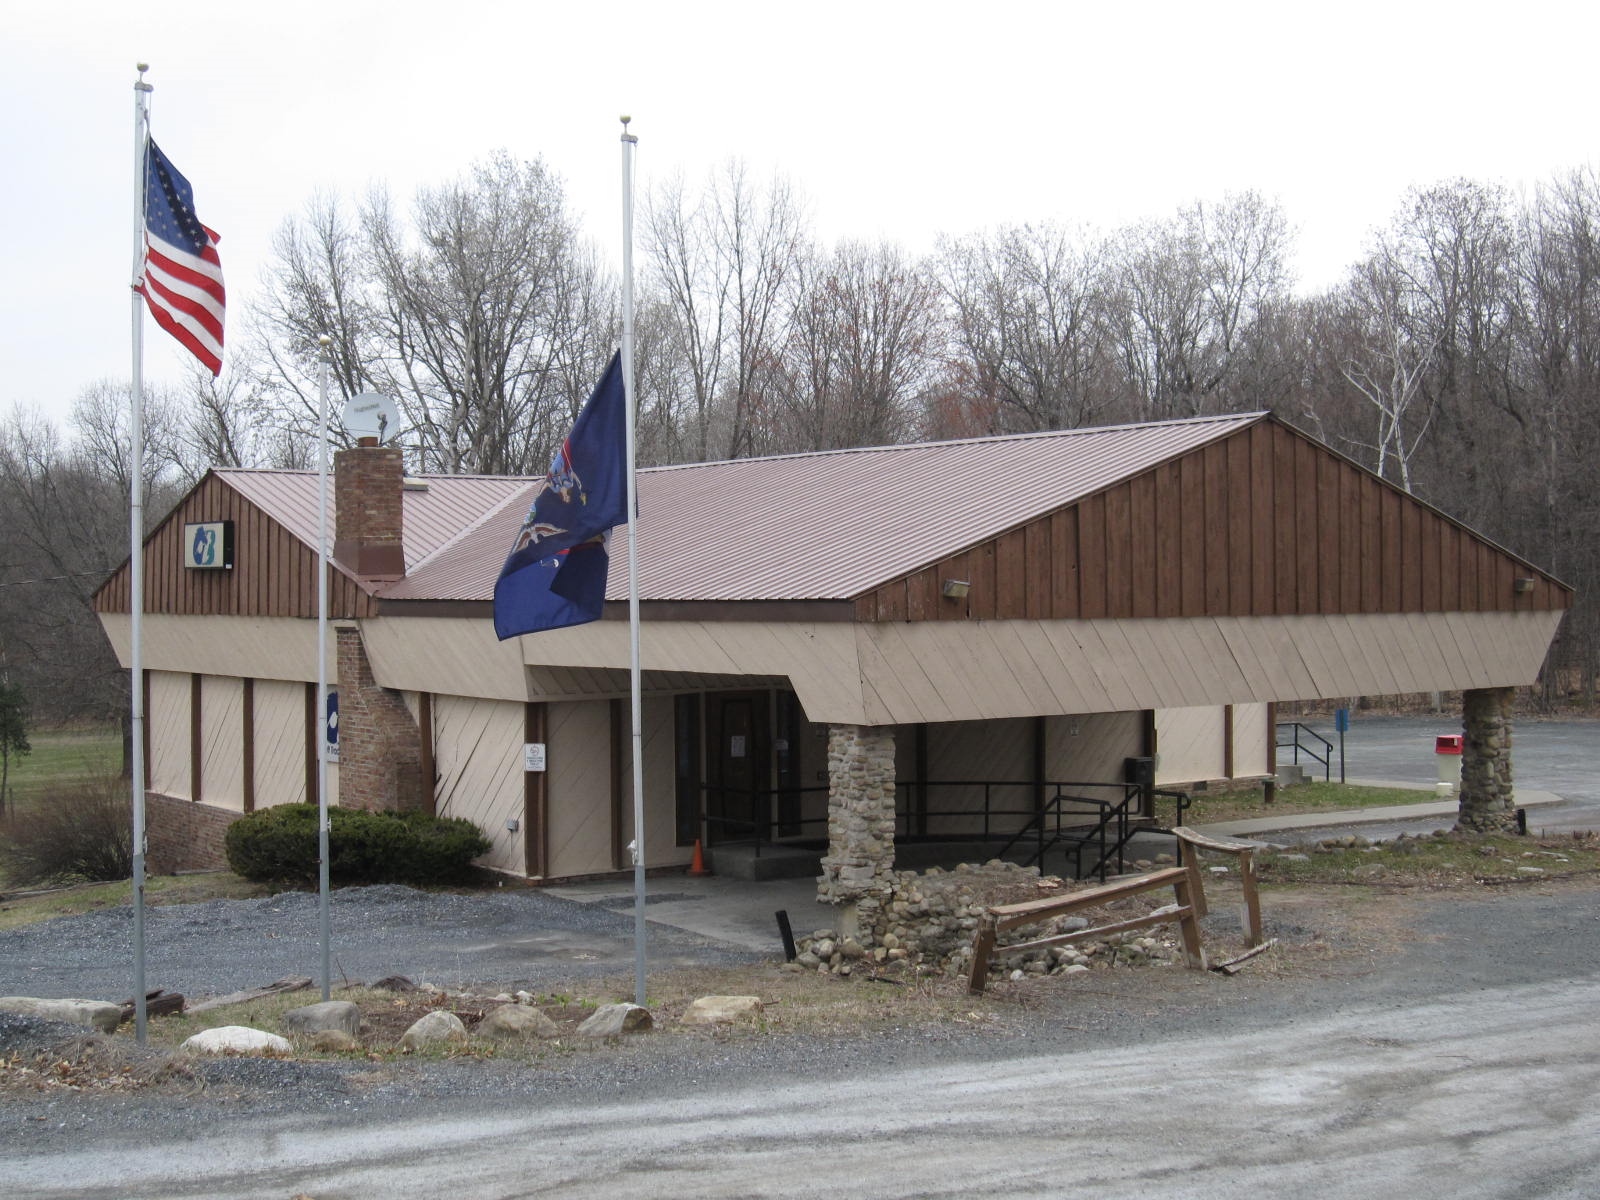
(371, 414)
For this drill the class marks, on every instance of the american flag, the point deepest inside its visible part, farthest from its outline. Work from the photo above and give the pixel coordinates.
(182, 281)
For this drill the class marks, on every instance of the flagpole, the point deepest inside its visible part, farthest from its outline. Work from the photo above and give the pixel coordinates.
(629, 143)
(324, 917)
(141, 135)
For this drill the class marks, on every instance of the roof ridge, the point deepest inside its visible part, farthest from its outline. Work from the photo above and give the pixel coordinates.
(987, 439)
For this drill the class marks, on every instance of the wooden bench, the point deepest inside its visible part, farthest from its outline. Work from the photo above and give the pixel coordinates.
(1011, 916)
(1191, 843)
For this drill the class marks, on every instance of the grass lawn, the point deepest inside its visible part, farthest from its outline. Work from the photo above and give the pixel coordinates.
(25, 909)
(1213, 807)
(63, 757)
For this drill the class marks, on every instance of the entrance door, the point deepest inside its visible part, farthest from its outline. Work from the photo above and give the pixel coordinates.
(738, 766)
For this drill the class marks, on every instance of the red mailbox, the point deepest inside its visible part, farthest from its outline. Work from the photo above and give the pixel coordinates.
(1448, 743)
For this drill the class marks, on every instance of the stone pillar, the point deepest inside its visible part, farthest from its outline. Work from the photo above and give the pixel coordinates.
(380, 747)
(858, 870)
(1487, 802)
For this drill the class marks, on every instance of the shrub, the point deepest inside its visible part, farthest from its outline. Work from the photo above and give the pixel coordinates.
(279, 845)
(68, 834)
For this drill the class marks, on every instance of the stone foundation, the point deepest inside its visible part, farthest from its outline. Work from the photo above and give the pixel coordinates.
(858, 870)
(1488, 802)
(926, 926)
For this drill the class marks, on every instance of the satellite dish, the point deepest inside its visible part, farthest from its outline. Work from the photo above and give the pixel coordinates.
(371, 415)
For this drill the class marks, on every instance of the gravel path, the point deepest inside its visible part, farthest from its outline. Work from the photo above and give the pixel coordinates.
(512, 939)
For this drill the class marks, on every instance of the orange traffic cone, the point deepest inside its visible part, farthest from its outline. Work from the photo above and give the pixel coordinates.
(697, 865)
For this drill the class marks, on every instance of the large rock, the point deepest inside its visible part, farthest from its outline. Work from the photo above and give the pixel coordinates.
(92, 1014)
(330, 1014)
(236, 1039)
(722, 1010)
(334, 1041)
(438, 1028)
(511, 1021)
(613, 1020)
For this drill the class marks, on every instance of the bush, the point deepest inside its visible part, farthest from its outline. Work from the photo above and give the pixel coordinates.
(279, 845)
(70, 834)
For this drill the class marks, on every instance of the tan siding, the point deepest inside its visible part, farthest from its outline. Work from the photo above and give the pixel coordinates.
(968, 752)
(246, 647)
(1192, 744)
(169, 722)
(660, 824)
(1250, 734)
(280, 731)
(478, 758)
(1089, 748)
(579, 761)
(221, 742)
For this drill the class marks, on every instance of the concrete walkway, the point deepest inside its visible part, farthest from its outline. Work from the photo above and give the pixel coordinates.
(744, 912)
(1526, 798)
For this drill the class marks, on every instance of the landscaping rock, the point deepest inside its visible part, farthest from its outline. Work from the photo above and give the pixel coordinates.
(722, 1010)
(437, 1028)
(92, 1014)
(613, 1020)
(512, 1021)
(236, 1039)
(334, 1041)
(315, 1018)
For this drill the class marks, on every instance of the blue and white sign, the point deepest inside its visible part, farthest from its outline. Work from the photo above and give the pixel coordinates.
(331, 725)
(208, 545)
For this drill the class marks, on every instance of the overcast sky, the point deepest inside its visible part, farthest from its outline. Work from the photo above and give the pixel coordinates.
(897, 120)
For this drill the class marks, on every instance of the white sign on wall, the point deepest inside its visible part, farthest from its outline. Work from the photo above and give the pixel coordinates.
(533, 756)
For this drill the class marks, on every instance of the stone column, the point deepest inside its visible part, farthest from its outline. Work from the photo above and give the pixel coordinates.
(858, 870)
(1487, 802)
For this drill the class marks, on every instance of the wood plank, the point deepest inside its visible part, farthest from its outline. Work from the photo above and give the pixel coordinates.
(1393, 598)
(1214, 459)
(1307, 535)
(1431, 537)
(1328, 520)
(1348, 563)
(1037, 569)
(1142, 562)
(1371, 562)
(1192, 551)
(1262, 521)
(289, 983)
(1067, 589)
(890, 601)
(1240, 532)
(1011, 575)
(1092, 556)
(1411, 562)
(1168, 580)
(983, 601)
(1283, 519)
(1119, 551)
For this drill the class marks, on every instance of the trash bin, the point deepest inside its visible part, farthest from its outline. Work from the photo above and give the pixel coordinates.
(1447, 749)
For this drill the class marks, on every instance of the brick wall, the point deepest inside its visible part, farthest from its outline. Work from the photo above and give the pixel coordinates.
(184, 836)
(380, 747)
(368, 494)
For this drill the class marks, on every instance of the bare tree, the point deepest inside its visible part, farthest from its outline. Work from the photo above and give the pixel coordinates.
(1028, 326)
(723, 265)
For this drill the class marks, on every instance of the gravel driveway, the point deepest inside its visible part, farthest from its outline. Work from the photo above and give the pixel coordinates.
(496, 940)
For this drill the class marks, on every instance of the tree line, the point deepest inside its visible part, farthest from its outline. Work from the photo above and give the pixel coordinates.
(1459, 358)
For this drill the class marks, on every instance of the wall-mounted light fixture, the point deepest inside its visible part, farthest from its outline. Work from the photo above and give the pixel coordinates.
(1523, 585)
(955, 589)
(512, 824)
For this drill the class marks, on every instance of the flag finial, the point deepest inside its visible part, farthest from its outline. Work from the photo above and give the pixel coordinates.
(139, 84)
(626, 136)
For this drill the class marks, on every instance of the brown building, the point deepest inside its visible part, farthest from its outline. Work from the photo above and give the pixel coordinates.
(941, 638)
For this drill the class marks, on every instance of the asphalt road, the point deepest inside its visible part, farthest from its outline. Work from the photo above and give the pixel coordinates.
(1558, 756)
(1459, 1060)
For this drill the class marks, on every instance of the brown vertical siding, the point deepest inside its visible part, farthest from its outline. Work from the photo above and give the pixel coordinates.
(274, 573)
(1266, 522)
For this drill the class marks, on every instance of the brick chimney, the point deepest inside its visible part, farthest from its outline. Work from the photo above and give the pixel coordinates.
(367, 490)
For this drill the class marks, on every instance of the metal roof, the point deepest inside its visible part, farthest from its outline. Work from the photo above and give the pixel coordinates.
(432, 516)
(822, 526)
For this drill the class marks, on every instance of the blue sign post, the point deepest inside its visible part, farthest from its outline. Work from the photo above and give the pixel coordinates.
(1341, 722)
(331, 727)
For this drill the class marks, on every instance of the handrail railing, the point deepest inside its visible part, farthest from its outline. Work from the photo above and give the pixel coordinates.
(1298, 732)
(1049, 814)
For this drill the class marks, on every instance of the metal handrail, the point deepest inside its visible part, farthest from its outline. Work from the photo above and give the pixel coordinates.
(1311, 751)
